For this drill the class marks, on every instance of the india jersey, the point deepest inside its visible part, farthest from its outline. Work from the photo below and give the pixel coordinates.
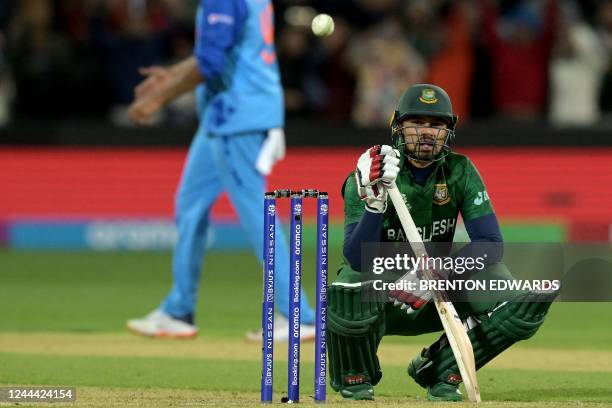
(247, 96)
(453, 187)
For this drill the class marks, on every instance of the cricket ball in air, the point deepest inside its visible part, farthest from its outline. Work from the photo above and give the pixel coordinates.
(322, 25)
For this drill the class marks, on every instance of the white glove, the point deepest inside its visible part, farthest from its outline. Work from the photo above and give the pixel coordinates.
(411, 297)
(375, 197)
(410, 300)
(272, 150)
(376, 170)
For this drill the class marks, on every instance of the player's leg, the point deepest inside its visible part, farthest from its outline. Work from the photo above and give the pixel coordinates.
(198, 189)
(246, 186)
(355, 326)
(358, 317)
(493, 328)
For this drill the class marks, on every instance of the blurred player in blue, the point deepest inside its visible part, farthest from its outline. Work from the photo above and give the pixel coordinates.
(240, 105)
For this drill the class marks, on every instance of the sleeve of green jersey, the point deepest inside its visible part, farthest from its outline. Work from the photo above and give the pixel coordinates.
(476, 202)
(353, 206)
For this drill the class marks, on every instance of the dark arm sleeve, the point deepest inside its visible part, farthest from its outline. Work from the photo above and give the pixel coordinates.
(366, 230)
(486, 239)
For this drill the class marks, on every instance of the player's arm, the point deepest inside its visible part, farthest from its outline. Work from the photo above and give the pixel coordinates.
(484, 229)
(480, 220)
(356, 218)
(167, 84)
(161, 86)
(368, 229)
(365, 200)
(486, 240)
(221, 23)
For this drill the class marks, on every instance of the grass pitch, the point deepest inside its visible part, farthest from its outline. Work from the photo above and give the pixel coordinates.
(64, 316)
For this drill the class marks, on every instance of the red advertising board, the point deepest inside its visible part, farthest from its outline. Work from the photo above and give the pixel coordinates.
(566, 184)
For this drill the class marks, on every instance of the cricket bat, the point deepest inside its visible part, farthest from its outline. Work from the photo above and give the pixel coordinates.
(453, 326)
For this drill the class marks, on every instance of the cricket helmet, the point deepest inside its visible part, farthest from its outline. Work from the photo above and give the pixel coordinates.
(423, 100)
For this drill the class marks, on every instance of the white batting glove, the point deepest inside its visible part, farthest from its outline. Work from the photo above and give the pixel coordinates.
(410, 300)
(376, 170)
(375, 197)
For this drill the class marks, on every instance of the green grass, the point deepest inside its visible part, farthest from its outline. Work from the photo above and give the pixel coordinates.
(89, 296)
(97, 292)
(533, 231)
(213, 374)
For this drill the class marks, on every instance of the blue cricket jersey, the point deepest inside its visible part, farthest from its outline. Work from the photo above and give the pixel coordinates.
(235, 51)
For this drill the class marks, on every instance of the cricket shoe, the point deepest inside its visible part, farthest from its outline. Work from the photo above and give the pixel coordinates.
(444, 391)
(162, 325)
(358, 392)
(439, 391)
(281, 331)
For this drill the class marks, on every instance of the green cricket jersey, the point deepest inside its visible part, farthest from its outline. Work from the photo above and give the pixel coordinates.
(453, 187)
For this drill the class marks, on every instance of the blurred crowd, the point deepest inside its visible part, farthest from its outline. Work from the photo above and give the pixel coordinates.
(526, 60)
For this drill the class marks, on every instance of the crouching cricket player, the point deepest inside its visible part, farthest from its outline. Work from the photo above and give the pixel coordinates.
(437, 185)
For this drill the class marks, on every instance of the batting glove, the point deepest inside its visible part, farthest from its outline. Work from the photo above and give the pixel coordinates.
(411, 298)
(376, 170)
